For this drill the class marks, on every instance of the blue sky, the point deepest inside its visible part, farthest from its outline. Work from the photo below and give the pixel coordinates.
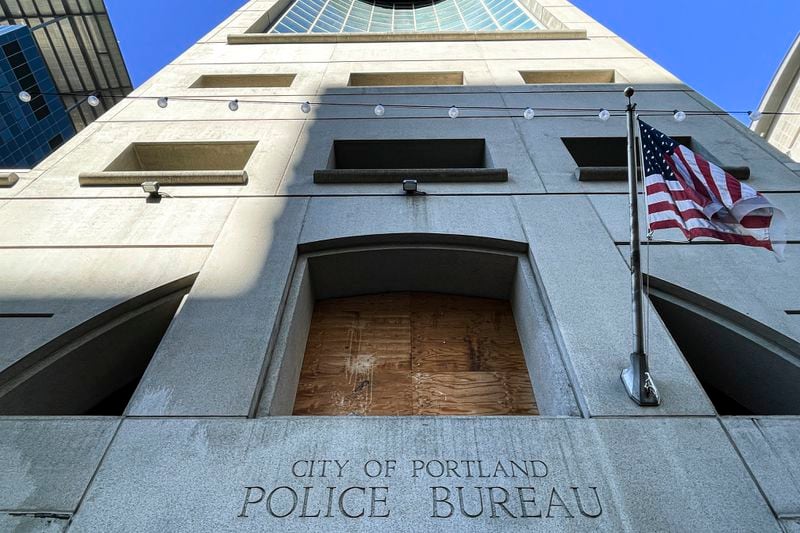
(720, 47)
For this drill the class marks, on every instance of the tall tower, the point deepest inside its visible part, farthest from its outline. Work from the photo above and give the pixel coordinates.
(352, 265)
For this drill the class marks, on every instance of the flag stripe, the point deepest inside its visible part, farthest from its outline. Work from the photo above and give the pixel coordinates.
(686, 192)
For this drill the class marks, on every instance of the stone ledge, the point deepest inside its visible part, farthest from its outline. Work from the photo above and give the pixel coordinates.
(621, 173)
(423, 175)
(8, 179)
(278, 38)
(178, 177)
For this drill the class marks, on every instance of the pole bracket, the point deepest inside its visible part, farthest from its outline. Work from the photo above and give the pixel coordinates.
(639, 384)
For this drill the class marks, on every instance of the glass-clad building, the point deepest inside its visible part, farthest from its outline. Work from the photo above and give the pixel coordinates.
(358, 16)
(29, 131)
(78, 44)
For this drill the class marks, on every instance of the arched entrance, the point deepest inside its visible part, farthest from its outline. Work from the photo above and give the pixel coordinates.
(415, 330)
(745, 367)
(94, 368)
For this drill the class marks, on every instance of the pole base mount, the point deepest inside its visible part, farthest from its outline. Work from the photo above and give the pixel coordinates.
(644, 394)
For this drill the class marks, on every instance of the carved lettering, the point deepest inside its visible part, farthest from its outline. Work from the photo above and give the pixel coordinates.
(304, 512)
(342, 506)
(556, 501)
(341, 467)
(523, 502)
(416, 466)
(358, 500)
(374, 500)
(461, 505)
(374, 470)
(495, 503)
(272, 494)
(597, 505)
(445, 500)
(249, 501)
(539, 469)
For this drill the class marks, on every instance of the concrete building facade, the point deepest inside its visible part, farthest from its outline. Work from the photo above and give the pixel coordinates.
(176, 360)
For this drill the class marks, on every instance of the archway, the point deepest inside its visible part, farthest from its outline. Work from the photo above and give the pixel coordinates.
(94, 368)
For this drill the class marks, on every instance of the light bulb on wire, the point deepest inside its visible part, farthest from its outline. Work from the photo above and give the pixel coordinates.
(679, 116)
(233, 105)
(306, 107)
(93, 100)
(379, 110)
(529, 113)
(453, 112)
(25, 96)
(604, 115)
(755, 115)
(163, 102)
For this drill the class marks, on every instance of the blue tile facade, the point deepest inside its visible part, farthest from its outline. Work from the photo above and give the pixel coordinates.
(29, 132)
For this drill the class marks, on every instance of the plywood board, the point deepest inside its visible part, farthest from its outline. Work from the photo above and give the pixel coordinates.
(413, 354)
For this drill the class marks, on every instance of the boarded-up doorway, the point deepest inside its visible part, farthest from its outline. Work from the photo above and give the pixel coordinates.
(414, 353)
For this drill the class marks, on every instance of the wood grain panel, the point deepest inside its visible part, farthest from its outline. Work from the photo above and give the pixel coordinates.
(413, 354)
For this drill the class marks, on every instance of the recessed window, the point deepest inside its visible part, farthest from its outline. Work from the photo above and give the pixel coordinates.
(568, 76)
(184, 156)
(432, 160)
(414, 353)
(606, 158)
(397, 79)
(233, 81)
(378, 329)
(213, 163)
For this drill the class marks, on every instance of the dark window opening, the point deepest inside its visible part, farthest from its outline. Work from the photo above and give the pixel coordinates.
(744, 367)
(56, 141)
(95, 368)
(606, 158)
(568, 76)
(432, 160)
(227, 81)
(404, 79)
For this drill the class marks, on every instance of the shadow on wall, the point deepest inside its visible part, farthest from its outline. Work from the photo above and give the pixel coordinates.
(94, 368)
(745, 367)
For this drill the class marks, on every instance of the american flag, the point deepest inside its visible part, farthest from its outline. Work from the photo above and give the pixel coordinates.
(685, 191)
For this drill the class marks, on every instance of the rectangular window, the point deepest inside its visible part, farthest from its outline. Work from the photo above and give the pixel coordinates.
(569, 76)
(606, 158)
(56, 141)
(399, 79)
(431, 160)
(184, 156)
(209, 163)
(227, 81)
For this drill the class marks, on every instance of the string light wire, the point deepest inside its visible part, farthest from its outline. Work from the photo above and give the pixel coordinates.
(516, 110)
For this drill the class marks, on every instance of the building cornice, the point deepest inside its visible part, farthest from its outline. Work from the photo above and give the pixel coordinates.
(283, 38)
(779, 87)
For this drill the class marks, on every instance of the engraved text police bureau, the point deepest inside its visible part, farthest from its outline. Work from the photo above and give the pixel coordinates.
(453, 488)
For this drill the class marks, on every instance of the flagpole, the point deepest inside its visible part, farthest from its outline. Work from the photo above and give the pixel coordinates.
(636, 378)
